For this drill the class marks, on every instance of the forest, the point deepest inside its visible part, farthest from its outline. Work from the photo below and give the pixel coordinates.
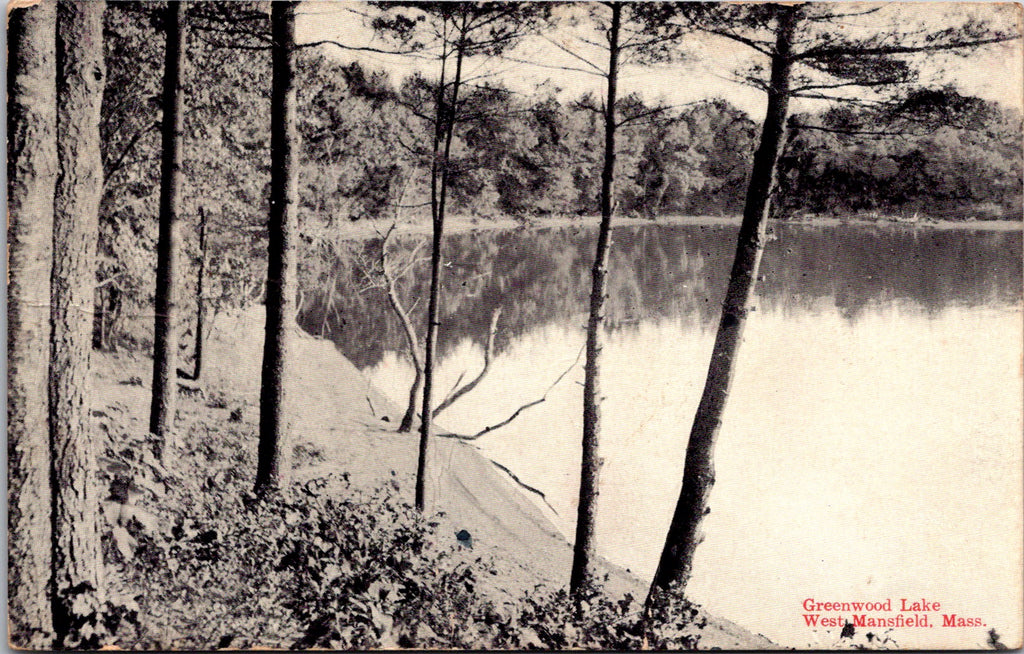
(172, 163)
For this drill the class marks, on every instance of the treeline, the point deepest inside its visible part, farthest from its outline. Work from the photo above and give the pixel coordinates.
(967, 170)
(364, 153)
(524, 155)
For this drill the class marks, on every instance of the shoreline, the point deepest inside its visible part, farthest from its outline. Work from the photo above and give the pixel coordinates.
(461, 224)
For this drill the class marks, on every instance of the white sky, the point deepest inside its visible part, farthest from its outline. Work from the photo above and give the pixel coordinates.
(995, 72)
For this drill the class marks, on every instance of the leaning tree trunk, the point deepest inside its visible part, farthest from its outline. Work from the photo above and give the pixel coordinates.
(272, 464)
(590, 468)
(675, 565)
(430, 346)
(165, 333)
(410, 336)
(77, 591)
(31, 174)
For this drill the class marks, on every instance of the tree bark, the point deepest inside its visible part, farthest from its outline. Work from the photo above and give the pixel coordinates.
(77, 590)
(675, 565)
(414, 395)
(31, 177)
(435, 275)
(165, 332)
(200, 301)
(590, 468)
(272, 464)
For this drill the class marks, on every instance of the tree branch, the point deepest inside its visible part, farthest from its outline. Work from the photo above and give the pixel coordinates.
(404, 53)
(114, 167)
(569, 52)
(855, 51)
(488, 355)
(751, 43)
(515, 414)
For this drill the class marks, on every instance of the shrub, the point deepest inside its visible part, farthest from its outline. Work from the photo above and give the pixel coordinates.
(328, 567)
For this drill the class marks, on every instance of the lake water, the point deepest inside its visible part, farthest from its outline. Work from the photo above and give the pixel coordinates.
(871, 447)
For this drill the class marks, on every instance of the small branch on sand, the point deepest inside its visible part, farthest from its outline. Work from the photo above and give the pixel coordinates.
(525, 485)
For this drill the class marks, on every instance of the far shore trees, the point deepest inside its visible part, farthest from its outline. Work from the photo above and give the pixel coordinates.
(273, 462)
(169, 243)
(808, 56)
(76, 586)
(31, 175)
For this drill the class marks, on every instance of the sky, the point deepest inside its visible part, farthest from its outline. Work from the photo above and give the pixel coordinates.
(707, 69)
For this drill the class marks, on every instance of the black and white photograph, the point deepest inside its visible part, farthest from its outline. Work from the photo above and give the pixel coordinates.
(521, 325)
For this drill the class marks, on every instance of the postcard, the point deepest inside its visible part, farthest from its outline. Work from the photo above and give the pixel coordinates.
(515, 325)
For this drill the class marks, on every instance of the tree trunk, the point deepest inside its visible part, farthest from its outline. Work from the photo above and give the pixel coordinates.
(273, 462)
(165, 333)
(675, 565)
(435, 278)
(590, 468)
(31, 175)
(77, 591)
(410, 335)
(200, 302)
(410, 411)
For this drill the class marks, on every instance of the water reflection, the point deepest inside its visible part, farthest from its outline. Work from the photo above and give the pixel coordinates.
(542, 277)
(871, 447)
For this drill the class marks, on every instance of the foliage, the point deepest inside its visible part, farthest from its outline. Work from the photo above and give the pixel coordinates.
(202, 564)
(832, 165)
(328, 567)
(365, 150)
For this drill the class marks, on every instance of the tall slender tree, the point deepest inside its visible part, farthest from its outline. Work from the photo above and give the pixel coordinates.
(31, 175)
(443, 131)
(808, 57)
(165, 332)
(272, 464)
(197, 354)
(633, 33)
(590, 466)
(453, 32)
(77, 580)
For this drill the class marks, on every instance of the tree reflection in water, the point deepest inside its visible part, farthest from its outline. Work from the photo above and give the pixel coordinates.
(540, 277)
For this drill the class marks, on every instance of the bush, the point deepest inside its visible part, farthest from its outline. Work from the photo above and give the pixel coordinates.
(327, 567)
(202, 563)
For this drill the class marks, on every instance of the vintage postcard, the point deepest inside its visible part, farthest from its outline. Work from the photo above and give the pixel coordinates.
(515, 325)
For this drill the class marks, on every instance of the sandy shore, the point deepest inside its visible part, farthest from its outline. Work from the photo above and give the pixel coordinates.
(338, 413)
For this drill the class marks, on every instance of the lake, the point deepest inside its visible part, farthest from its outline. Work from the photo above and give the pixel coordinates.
(871, 447)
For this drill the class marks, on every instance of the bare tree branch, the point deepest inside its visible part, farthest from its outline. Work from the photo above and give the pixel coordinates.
(552, 66)
(488, 355)
(756, 45)
(569, 52)
(119, 162)
(515, 414)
